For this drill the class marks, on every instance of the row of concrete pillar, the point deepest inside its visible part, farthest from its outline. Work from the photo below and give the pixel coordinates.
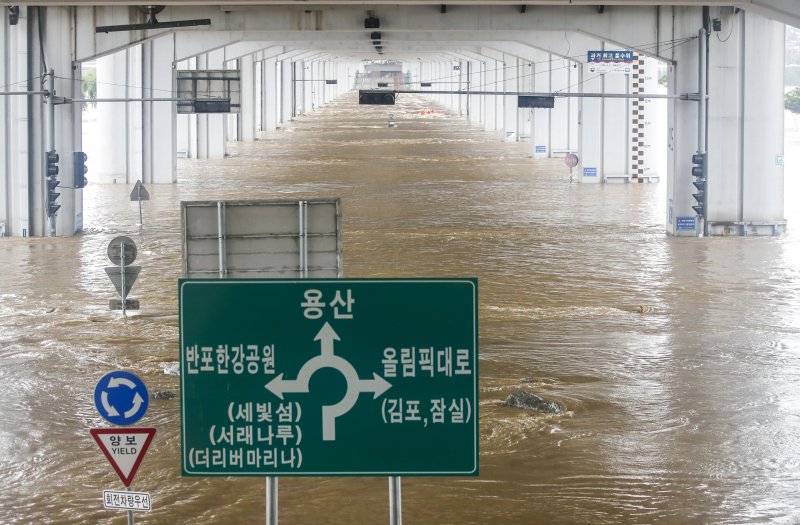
(140, 134)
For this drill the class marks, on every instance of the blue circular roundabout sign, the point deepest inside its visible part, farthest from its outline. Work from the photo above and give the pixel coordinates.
(121, 398)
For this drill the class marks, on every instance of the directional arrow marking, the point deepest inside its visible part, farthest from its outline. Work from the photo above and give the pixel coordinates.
(110, 410)
(121, 381)
(377, 384)
(137, 404)
(355, 385)
(326, 336)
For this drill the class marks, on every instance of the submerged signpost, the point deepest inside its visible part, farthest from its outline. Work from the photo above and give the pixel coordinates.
(122, 253)
(329, 377)
(139, 193)
(121, 398)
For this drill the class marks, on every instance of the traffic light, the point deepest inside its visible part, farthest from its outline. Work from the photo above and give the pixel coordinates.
(699, 171)
(384, 98)
(52, 163)
(79, 169)
(51, 159)
(52, 195)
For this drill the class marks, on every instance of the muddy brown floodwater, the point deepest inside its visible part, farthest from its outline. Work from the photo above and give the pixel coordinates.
(677, 360)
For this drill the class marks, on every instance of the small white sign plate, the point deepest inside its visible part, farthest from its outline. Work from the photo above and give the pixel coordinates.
(126, 500)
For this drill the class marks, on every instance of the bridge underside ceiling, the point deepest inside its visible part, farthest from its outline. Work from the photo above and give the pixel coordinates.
(406, 30)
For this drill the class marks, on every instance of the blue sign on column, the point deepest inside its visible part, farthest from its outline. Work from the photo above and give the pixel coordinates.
(121, 398)
(686, 223)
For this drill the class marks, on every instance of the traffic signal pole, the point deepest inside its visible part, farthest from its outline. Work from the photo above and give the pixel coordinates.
(50, 142)
(702, 119)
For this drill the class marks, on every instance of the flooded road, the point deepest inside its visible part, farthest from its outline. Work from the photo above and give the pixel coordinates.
(677, 360)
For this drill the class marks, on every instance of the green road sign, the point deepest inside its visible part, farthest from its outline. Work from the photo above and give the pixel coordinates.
(320, 377)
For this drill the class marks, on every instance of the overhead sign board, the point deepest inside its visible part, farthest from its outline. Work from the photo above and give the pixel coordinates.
(261, 238)
(526, 101)
(329, 377)
(208, 91)
(610, 61)
(124, 448)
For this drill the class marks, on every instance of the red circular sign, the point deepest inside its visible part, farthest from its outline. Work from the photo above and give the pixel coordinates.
(571, 160)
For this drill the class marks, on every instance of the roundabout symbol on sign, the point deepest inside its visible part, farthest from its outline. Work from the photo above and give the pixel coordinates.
(355, 385)
(121, 398)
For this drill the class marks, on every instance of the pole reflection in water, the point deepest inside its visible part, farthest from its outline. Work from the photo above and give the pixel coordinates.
(676, 360)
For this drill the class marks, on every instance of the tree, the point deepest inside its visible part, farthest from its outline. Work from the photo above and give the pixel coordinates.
(791, 100)
(89, 84)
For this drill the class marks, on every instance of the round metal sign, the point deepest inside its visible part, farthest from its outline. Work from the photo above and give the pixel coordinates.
(115, 250)
(571, 160)
(121, 398)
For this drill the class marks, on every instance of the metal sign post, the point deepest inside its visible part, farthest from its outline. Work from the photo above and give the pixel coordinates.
(121, 398)
(395, 501)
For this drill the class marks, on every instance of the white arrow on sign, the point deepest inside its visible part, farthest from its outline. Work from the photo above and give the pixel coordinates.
(327, 359)
(137, 404)
(116, 382)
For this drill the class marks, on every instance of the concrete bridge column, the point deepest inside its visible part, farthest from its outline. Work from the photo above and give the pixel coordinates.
(541, 70)
(299, 87)
(325, 73)
(605, 142)
(490, 83)
(287, 91)
(247, 115)
(745, 188)
(455, 76)
(478, 102)
(232, 121)
(590, 129)
(509, 102)
(16, 210)
(25, 131)
(109, 159)
(258, 93)
(525, 84)
(269, 94)
(316, 85)
(211, 127)
(564, 116)
(186, 123)
(158, 118)
(438, 80)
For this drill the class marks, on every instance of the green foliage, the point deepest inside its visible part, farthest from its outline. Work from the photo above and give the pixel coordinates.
(89, 84)
(792, 100)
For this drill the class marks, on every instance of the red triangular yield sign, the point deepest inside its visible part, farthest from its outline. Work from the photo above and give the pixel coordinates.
(125, 448)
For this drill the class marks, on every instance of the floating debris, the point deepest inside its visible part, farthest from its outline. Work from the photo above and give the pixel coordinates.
(164, 394)
(528, 401)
